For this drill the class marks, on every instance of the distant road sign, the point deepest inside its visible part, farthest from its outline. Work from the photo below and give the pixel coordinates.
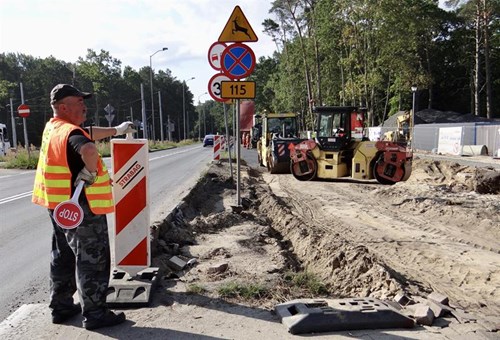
(214, 86)
(215, 54)
(238, 89)
(23, 110)
(238, 61)
(237, 28)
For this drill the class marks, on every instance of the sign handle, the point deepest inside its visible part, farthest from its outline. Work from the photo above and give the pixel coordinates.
(78, 191)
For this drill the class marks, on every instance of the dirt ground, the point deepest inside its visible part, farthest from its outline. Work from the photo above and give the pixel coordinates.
(437, 232)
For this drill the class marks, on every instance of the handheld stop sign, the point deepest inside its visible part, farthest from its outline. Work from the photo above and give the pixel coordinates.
(69, 214)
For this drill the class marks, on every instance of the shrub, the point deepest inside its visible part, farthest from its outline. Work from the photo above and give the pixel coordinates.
(21, 159)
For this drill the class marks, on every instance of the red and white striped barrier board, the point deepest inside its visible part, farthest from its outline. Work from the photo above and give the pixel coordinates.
(217, 147)
(223, 144)
(130, 193)
(281, 149)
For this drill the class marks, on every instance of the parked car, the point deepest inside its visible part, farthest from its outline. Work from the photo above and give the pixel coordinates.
(208, 140)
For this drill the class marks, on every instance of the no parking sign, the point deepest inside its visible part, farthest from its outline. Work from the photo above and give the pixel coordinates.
(238, 61)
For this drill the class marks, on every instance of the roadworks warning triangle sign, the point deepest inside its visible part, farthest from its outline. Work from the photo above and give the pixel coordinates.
(238, 28)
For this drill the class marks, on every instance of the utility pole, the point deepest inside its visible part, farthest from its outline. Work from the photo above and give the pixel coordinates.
(161, 117)
(152, 93)
(144, 121)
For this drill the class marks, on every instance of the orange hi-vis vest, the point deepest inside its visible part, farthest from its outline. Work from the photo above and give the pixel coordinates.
(53, 176)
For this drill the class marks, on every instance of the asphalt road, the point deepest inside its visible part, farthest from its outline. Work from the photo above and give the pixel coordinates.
(25, 229)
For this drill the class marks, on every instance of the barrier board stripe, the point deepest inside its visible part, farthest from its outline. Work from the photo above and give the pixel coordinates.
(129, 238)
(129, 173)
(216, 147)
(130, 205)
(138, 256)
(281, 150)
(123, 154)
(134, 175)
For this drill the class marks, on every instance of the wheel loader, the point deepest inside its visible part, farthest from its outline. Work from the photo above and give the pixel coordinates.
(401, 134)
(278, 131)
(341, 150)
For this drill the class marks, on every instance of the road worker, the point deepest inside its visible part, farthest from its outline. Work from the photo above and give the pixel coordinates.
(80, 256)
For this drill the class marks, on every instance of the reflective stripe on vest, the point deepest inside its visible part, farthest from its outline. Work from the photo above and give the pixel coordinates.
(53, 177)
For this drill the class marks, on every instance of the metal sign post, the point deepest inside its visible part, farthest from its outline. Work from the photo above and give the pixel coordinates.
(238, 150)
(26, 141)
(236, 61)
(109, 114)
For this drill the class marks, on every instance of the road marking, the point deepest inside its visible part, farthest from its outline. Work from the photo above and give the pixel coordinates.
(29, 193)
(15, 197)
(17, 174)
(171, 154)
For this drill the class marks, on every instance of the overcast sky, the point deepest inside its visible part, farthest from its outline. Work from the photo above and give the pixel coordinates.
(131, 30)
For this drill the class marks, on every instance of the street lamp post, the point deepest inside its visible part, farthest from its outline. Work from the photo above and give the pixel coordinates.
(184, 103)
(152, 94)
(414, 91)
(199, 115)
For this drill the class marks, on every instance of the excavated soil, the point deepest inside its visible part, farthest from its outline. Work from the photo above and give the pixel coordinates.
(437, 232)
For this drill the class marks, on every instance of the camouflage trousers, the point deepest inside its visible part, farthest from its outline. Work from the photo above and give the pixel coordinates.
(80, 260)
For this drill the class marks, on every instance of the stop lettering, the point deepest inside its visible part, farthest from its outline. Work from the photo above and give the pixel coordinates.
(68, 215)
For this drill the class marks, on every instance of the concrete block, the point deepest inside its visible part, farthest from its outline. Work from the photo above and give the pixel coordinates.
(176, 263)
(315, 315)
(438, 297)
(402, 299)
(438, 309)
(218, 268)
(131, 291)
(423, 315)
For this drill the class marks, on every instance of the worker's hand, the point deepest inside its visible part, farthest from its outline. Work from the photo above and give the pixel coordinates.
(125, 127)
(88, 177)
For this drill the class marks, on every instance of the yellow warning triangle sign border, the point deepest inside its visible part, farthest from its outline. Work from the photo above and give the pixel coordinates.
(238, 28)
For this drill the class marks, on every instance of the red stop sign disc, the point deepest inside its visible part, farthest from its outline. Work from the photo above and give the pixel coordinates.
(68, 214)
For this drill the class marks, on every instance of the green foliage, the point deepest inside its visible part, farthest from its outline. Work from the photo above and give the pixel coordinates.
(307, 281)
(99, 73)
(369, 54)
(20, 159)
(193, 288)
(245, 291)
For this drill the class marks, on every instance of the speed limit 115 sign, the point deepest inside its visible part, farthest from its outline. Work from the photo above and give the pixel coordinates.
(238, 89)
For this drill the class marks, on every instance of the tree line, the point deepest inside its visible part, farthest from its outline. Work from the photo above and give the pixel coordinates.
(328, 52)
(371, 54)
(102, 75)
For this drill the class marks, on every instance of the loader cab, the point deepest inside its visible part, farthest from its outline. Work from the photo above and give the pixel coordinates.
(334, 126)
(279, 125)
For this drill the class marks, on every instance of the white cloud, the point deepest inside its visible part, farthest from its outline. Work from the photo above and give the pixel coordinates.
(131, 30)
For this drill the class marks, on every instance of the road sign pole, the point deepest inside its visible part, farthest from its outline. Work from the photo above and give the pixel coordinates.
(238, 194)
(228, 142)
(26, 142)
(13, 122)
(237, 61)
